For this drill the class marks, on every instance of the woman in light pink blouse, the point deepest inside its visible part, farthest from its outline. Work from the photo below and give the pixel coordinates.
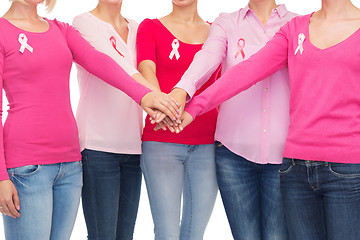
(320, 174)
(252, 126)
(110, 127)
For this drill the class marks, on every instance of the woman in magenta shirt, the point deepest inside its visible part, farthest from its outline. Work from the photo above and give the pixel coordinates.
(183, 164)
(40, 172)
(252, 126)
(320, 174)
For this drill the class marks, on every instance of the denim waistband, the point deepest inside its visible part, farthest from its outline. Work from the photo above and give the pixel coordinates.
(295, 161)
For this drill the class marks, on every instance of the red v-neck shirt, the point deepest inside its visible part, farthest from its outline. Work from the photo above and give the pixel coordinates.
(155, 42)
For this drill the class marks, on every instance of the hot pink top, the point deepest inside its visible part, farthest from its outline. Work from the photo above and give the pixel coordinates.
(324, 93)
(254, 123)
(34, 71)
(172, 57)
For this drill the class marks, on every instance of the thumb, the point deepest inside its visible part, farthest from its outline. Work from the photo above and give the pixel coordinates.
(185, 120)
(16, 200)
(151, 112)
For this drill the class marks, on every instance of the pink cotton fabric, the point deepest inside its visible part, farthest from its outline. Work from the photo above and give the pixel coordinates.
(254, 123)
(40, 128)
(324, 99)
(155, 43)
(108, 119)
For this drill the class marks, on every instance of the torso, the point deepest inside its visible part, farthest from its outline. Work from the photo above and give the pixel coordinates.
(169, 70)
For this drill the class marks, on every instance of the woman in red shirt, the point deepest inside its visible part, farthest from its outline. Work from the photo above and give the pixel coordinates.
(182, 164)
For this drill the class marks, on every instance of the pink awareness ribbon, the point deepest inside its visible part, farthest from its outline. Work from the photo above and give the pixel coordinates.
(113, 42)
(241, 46)
(175, 52)
(300, 47)
(24, 45)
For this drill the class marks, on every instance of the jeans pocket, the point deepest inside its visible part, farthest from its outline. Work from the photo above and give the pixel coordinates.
(345, 170)
(286, 166)
(25, 170)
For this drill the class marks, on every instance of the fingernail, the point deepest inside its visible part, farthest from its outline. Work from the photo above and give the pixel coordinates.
(181, 128)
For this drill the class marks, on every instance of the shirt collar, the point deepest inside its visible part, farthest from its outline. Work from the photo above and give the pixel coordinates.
(280, 10)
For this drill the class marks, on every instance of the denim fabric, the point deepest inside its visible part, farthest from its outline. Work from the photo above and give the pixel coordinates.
(251, 196)
(49, 200)
(321, 199)
(175, 170)
(111, 194)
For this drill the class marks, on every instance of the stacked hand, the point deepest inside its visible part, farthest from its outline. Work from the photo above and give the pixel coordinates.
(164, 119)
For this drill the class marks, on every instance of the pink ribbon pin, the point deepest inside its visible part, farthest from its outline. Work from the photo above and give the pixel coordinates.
(113, 42)
(241, 45)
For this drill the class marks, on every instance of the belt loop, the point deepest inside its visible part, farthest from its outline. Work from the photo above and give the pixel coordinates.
(292, 162)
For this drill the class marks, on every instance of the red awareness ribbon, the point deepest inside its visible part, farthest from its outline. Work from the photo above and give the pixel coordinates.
(241, 45)
(113, 42)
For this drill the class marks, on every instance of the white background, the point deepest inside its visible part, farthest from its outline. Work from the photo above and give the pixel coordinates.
(65, 10)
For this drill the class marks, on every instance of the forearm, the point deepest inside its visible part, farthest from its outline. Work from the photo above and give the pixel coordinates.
(140, 79)
(147, 69)
(242, 76)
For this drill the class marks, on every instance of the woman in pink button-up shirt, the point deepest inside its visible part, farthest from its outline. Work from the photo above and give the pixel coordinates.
(252, 126)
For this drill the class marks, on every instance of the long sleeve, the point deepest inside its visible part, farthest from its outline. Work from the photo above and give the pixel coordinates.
(207, 60)
(3, 173)
(245, 74)
(101, 65)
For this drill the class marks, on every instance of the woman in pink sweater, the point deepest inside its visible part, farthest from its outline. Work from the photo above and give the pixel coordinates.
(40, 168)
(320, 174)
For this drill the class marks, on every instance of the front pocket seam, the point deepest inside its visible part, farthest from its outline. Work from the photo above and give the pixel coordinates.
(26, 174)
(287, 170)
(343, 175)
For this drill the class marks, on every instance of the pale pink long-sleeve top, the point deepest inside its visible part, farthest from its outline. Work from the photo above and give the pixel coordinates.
(34, 71)
(254, 123)
(108, 120)
(324, 99)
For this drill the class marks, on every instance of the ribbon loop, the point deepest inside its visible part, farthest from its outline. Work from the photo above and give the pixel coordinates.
(23, 41)
(241, 47)
(300, 47)
(175, 46)
(113, 43)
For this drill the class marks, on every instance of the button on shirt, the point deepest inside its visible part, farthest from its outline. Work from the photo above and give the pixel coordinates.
(254, 123)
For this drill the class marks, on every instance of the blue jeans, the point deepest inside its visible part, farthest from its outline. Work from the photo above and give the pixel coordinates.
(49, 200)
(173, 170)
(111, 194)
(321, 199)
(251, 197)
